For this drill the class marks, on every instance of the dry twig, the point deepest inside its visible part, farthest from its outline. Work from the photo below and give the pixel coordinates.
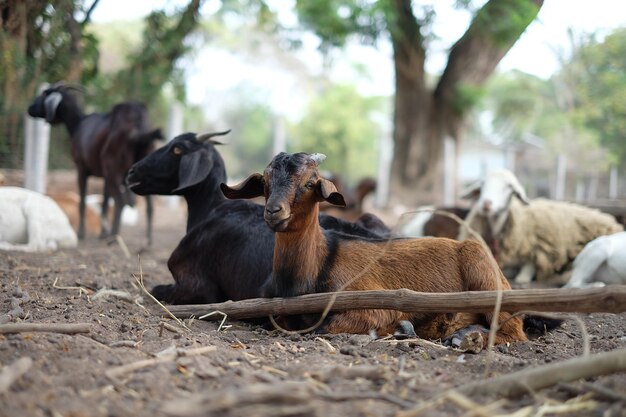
(81, 290)
(67, 328)
(139, 281)
(114, 373)
(548, 375)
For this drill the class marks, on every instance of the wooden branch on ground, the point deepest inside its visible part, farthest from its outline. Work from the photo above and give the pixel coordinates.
(610, 299)
(545, 376)
(67, 328)
(13, 372)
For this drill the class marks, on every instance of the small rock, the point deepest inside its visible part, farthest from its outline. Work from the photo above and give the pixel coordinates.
(207, 373)
(150, 334)
(359, 340)
(349, 350)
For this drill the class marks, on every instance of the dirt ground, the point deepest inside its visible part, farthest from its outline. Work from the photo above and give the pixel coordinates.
(241, 369)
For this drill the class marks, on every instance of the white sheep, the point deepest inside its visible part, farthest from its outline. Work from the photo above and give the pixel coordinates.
(602, 261)
(32, 222)
(541, 236)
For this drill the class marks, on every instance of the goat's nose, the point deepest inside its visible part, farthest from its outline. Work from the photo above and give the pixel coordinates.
(487, 206)
(273, 208)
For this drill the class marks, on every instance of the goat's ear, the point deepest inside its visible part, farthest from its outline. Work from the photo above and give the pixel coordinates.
(473, 191)
(251, 187)
(51, 103)
(194, 167)
(328, 192)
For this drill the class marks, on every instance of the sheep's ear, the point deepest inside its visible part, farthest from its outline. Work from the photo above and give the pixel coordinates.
(194, 167)
(328, 192)
(51, 103)
(519, 191)
(251, 187)
(473, 191)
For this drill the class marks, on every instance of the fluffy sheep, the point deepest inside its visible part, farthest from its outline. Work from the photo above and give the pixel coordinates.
(32, 222)
(541, 237)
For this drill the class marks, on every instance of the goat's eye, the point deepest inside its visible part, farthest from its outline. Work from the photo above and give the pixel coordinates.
(177, 151)
(310, 185)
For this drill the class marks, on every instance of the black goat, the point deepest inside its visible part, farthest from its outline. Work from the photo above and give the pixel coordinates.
(103, 145)
(227, 252)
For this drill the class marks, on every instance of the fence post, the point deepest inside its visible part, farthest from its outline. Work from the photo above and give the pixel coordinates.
(279, 140)
(36, 147)
(613, 183)
(385, 155)
(449, 170)
(561, 174)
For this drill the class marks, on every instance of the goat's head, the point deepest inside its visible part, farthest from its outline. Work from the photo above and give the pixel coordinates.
(46, 104)
(492, 196)
(185, 161)
(292, 188)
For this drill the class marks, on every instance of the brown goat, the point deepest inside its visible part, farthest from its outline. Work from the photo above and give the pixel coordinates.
(308, 259)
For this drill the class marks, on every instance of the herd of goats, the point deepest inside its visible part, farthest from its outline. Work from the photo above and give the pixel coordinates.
(237, 249)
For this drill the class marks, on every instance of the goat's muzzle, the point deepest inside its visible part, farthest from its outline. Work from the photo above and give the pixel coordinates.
(130, 180)
(277, 216)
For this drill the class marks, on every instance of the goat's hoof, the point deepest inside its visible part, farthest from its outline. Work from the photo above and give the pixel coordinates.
(405, 330)
(469, 339)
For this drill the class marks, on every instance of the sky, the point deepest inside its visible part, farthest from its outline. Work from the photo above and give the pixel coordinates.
(536, 52)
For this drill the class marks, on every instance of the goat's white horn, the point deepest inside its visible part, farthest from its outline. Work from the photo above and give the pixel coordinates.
(318, 158)
(206, 136)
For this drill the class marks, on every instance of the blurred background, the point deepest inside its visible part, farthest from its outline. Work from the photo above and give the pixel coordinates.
(424, 96)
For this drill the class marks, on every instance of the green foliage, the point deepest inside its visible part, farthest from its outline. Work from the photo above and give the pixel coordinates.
(504, 20)
(36, 46)
(597, 74)
(334, 21)
(250, 141)
(338, 123)
(466, 97)
(153, 63)
(521, 104)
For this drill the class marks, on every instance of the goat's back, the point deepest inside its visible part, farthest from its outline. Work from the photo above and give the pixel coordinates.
(426, 264)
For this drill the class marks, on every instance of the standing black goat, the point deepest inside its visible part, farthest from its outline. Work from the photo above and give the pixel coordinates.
(103, 145)
(227, 252)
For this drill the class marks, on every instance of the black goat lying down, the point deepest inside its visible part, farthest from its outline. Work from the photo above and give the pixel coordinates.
(227, 252)
(103, 145)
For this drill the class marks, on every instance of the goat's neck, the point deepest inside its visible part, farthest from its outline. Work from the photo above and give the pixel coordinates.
(201, 199)
(299, 257)
(71, 115)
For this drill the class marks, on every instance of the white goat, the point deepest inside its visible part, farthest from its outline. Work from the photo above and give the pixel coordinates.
(32, 222)
(602, 261)
(541, 236)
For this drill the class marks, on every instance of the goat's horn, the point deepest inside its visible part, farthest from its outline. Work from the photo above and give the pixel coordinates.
(206, 136)
(75, 87)
(318, 158)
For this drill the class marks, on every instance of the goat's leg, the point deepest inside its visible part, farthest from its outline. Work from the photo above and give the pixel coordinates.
(149, 213)
(117, 213)
(480, 272)
(383, 322)
(82, 189)
(104, 214)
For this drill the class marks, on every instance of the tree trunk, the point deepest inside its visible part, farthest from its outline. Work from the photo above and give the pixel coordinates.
(424, 118)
